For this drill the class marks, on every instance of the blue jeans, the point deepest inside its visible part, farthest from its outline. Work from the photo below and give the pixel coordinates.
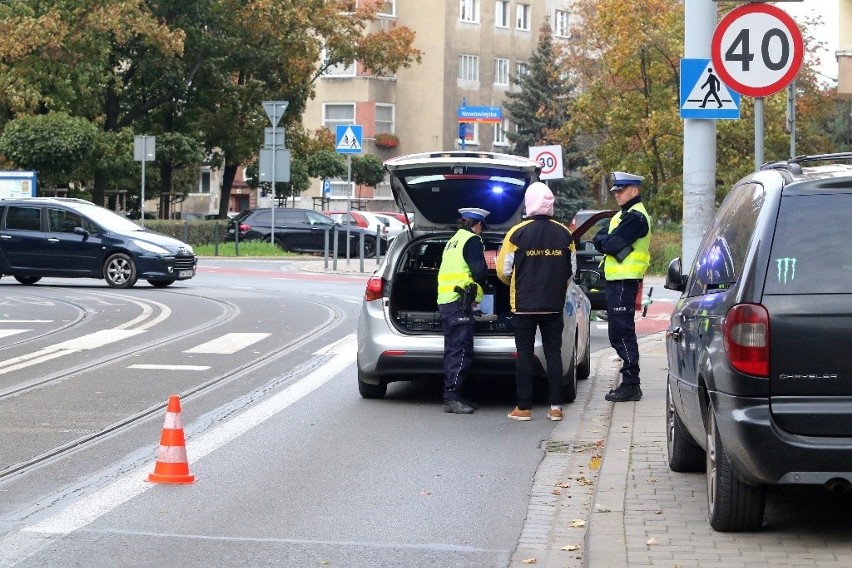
(551, 326)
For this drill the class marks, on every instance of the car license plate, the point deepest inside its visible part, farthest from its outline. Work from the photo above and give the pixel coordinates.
(185, 273)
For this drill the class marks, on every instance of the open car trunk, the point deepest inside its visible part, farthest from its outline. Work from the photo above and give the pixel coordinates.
(413, 304)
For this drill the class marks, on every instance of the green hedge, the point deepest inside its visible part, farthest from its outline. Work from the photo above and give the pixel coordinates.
(202, 232)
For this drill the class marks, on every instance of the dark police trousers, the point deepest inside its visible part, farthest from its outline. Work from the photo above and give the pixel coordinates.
(621, 310)
(457, 326)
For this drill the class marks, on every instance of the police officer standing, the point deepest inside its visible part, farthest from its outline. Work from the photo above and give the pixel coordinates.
(462, 274)
(625, 244)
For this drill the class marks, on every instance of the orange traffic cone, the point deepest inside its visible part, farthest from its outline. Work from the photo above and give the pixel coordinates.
(172, 465)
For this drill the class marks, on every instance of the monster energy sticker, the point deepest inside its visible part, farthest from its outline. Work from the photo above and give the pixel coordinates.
(786, 270)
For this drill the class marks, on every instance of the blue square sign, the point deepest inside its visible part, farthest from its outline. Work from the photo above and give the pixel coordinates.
(702, 93)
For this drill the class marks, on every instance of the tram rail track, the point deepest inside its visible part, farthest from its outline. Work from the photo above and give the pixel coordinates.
(86, 440)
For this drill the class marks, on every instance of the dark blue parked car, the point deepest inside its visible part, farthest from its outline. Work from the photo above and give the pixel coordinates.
(72, 238)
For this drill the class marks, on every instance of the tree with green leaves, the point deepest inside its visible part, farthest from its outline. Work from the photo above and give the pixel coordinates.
(200, 69)
(367, 170)
(625, 56)
(539, 110)
(58, 147)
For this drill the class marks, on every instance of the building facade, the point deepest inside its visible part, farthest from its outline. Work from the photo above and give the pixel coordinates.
(470, 48)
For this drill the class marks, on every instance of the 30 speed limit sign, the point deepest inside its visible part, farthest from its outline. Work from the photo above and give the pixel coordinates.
(550, 158)
(757, 49)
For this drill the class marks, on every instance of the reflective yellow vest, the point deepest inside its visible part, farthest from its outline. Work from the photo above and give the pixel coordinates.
(454, 270)
(637, 262)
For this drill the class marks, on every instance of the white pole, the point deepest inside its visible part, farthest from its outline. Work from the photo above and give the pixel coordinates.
(272, 234)
(142, 199)
(699, 137)
(758, 133)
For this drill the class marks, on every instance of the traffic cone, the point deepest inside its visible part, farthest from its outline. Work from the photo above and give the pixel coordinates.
(172, 465)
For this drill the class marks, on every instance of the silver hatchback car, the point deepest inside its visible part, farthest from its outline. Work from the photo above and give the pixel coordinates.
(399, 329)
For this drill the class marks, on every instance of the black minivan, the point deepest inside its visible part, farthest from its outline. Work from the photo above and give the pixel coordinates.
(72, 238)
(760, 378)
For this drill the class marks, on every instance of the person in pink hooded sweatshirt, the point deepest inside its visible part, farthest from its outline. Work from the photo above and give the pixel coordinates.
(537, 261)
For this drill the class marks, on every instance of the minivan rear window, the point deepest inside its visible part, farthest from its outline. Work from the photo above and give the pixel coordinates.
(811, 251)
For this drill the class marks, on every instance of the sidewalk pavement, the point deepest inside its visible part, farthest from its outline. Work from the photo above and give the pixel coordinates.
(577, 517)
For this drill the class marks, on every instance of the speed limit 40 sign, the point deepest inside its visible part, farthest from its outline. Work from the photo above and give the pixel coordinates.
(757, 49)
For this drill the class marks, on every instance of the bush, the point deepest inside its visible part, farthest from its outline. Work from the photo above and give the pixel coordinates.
(201, 232)
(666, 244)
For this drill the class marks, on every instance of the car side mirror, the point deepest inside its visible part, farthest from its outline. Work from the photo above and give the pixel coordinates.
(587, 278)
(82, 232)
(675, 279)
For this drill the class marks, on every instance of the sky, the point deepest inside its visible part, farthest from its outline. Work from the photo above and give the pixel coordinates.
(827, 10)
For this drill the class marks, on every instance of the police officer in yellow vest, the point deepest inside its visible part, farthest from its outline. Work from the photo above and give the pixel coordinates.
(625, 244)
(463, 267)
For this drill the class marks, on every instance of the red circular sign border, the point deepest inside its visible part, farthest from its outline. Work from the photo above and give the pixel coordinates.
(716, 49)
(555, 161)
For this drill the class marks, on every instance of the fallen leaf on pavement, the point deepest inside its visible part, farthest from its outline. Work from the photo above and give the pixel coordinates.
(563, 485)
(652, 541)
(577, 523)
(530, 561)
(570, 548)
(595, 463)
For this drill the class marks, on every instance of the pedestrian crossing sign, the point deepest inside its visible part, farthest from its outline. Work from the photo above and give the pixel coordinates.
(703, 94)
(349, 138)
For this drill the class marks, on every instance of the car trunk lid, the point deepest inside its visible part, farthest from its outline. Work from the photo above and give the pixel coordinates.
(436, 185)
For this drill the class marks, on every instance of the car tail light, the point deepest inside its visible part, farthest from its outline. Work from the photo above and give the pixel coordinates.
(244, 228)
(746, 334)
(375, 287)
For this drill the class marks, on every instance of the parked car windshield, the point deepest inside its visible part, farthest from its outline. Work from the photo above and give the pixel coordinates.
(107, 219)
(809, 255)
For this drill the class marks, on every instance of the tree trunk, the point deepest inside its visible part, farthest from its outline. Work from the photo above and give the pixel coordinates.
(228, 175)
(166, 171)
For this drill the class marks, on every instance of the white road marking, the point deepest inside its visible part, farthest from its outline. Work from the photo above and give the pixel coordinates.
(19, 545)
(86, 342)
(8, 332)
(170, 367)
(229, 343)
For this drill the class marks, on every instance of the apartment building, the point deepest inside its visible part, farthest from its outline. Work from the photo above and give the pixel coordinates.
(470, 48)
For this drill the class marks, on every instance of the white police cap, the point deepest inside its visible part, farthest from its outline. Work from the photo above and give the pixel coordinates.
(474, 213)
(621, 179)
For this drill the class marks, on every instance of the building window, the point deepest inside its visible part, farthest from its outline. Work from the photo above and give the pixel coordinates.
(384, 119)
(469, 67)
(501, 14)
(469, 10)
(523, 19)
(523, 68)
(204, 181)
(500, 138)
(337, 114)
(561, 20)
(501, 71)
(339, 70)
(388, 8)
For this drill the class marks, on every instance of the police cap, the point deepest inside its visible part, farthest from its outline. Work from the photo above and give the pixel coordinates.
(623, 179)
(474, 213)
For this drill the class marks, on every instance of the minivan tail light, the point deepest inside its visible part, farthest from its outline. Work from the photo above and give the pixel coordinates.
(746, 333)
(375, 287)
(244, 228)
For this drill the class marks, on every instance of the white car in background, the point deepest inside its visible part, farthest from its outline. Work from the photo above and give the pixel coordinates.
(393, 225)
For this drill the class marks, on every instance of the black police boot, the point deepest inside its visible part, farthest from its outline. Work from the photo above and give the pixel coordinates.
(457, 407)
(625, 393)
